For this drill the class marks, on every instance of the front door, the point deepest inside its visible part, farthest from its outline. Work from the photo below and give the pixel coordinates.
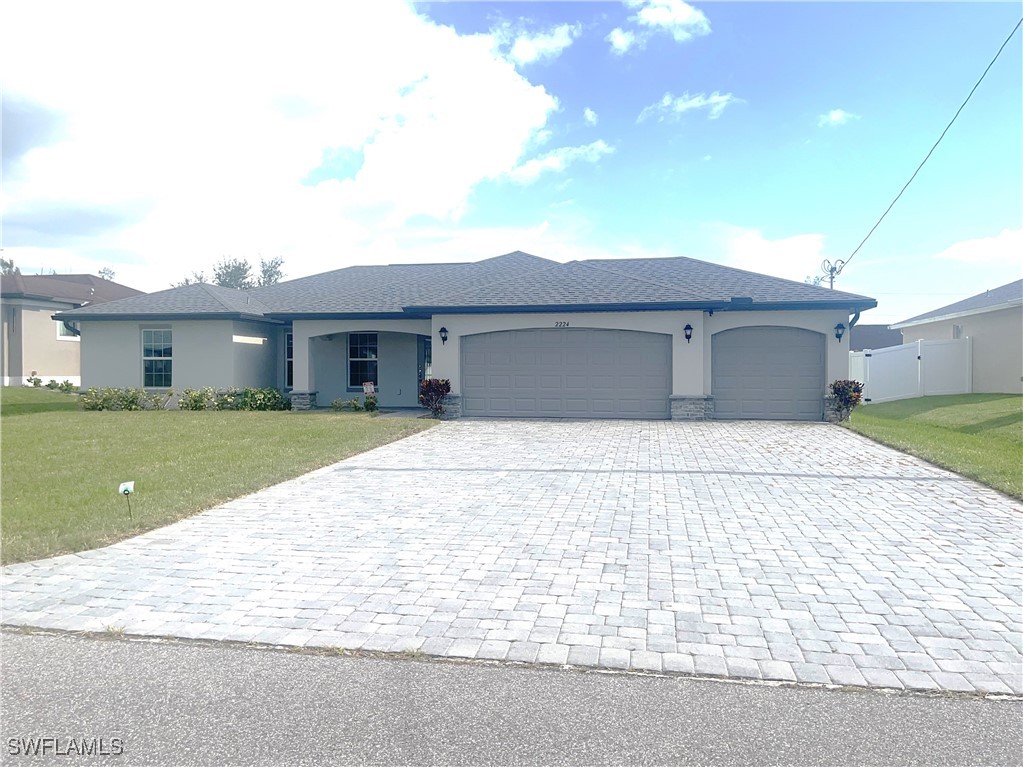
(425, 364)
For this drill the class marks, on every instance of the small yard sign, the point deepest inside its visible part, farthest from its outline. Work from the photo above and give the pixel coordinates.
(368, 389)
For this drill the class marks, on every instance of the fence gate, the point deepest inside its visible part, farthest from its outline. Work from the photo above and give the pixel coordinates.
(916, 369)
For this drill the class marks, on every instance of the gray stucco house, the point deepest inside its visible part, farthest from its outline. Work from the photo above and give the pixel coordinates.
(517, 335)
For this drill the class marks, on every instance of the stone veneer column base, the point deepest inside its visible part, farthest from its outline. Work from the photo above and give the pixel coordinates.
(688, 407)
(833, 413)
(452, 407)
(303, 400)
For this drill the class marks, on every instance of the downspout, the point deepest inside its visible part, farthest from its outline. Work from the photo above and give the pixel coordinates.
(854, 320)
(69, 326)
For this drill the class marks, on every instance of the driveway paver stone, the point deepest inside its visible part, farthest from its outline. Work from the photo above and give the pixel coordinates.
(780, 551)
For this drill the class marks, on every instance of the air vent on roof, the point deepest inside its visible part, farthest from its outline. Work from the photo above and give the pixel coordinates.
(740, 300)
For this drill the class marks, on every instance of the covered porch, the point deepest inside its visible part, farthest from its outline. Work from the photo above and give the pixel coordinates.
(332, 359)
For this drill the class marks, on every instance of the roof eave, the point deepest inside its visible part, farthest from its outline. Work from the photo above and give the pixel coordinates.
(707, 306)
(164, 317)
(956, 315)
(290, 316)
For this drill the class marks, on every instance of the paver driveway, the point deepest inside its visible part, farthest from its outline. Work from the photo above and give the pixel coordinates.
(766, 550)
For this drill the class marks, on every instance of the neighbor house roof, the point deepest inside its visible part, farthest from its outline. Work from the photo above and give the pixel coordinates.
(77, 289)
(512, 282)
(873, 337)
(1002, 297)
(195, 301)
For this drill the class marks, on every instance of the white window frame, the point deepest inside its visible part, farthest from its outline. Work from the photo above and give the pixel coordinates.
(63, 334)
(374, 358)
(161, 358)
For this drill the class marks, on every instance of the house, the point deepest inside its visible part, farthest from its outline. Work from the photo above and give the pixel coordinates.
(872, 337)
(994, 321)
(32, 341)
(517, 336)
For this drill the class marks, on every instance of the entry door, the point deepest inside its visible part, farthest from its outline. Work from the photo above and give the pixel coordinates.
(425, 355)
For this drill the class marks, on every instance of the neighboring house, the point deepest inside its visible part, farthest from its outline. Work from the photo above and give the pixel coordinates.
(872, 337)
(994, 321)
(31, 339)
(516, 335)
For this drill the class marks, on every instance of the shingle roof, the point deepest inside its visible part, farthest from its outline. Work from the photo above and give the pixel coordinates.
(514, 280)
(64, 288)
(195, 299)
(1013, 292)
(643, 281)
(873, 337)
(388, 289)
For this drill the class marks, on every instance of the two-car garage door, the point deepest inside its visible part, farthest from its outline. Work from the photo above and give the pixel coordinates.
(566, 372)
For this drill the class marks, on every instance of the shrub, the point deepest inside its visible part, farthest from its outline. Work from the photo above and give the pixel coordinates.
(432, 392)
(51, 384)
(111, 398)
(198, 399)
(67, 387)
(370, 403)
(35, 380)
(346, 404)
(847, 395)
(250, 398)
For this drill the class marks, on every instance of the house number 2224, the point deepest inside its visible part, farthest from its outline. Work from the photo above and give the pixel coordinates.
(561, 324)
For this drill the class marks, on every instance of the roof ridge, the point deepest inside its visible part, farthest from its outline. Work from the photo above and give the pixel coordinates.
(554, 265)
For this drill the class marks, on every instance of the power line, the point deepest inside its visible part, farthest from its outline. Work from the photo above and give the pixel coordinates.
(835, 269)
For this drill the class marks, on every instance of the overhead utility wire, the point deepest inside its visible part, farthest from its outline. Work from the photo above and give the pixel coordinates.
(833, 270)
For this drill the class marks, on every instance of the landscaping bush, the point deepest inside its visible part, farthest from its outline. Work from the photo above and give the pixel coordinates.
(35, 380)
(250, 398)
(846, 395)
(432, 392)
(111, 398)
(370, 403)
(346, 404)
(198, 399)
(67, 387)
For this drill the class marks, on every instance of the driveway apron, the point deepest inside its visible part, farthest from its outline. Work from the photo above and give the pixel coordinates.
(778, 551)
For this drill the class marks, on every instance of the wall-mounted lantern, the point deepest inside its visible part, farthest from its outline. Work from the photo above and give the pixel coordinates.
(839, 331)
(689, 332)
(443, 332)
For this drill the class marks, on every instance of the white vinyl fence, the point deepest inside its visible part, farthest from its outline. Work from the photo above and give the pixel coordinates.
(914, 370)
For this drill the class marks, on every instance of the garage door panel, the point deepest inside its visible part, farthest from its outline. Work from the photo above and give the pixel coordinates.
(768, 373)
(567, 372)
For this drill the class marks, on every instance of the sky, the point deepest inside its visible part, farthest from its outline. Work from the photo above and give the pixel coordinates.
(157, 139)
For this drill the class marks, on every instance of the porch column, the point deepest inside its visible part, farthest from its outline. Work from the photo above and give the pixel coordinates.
(303, 393)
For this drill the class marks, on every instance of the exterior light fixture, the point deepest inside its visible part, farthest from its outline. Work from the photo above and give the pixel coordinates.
(443, 335)
(689, 332)
(839, 331)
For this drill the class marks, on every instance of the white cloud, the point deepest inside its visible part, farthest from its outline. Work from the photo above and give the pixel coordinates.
(204, 154)
(621, 40)
(680, 19)
(673, 107)
(675, 17)
(834, 118)
(590, 116)
(1002, 249)
(543, 46)
(792, 258)
(558, 160)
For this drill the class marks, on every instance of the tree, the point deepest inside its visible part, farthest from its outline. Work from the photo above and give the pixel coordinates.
(233, 273)
(7, 267)
(106, 273)
(237, 273)
(270, 272)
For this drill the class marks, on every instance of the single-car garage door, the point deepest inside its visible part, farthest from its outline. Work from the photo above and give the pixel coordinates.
(769, 373)
(567, 373)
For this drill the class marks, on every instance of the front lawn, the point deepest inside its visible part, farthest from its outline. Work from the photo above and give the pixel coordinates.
(977, 435)
(61, 467)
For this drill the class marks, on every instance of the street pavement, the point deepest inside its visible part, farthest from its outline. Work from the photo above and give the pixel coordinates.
(186, 704)
(779, 551)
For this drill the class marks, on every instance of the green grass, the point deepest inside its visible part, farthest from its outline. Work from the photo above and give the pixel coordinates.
(61, 467)
(977, 435)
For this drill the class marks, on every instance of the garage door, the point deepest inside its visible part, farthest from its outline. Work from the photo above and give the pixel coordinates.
(770, 373)
(566, 372)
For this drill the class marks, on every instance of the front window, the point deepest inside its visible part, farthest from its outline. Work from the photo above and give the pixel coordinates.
(289, 360)
(362, 359)
(156, 359)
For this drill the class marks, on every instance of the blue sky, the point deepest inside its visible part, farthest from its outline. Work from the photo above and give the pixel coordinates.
(766, 136)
